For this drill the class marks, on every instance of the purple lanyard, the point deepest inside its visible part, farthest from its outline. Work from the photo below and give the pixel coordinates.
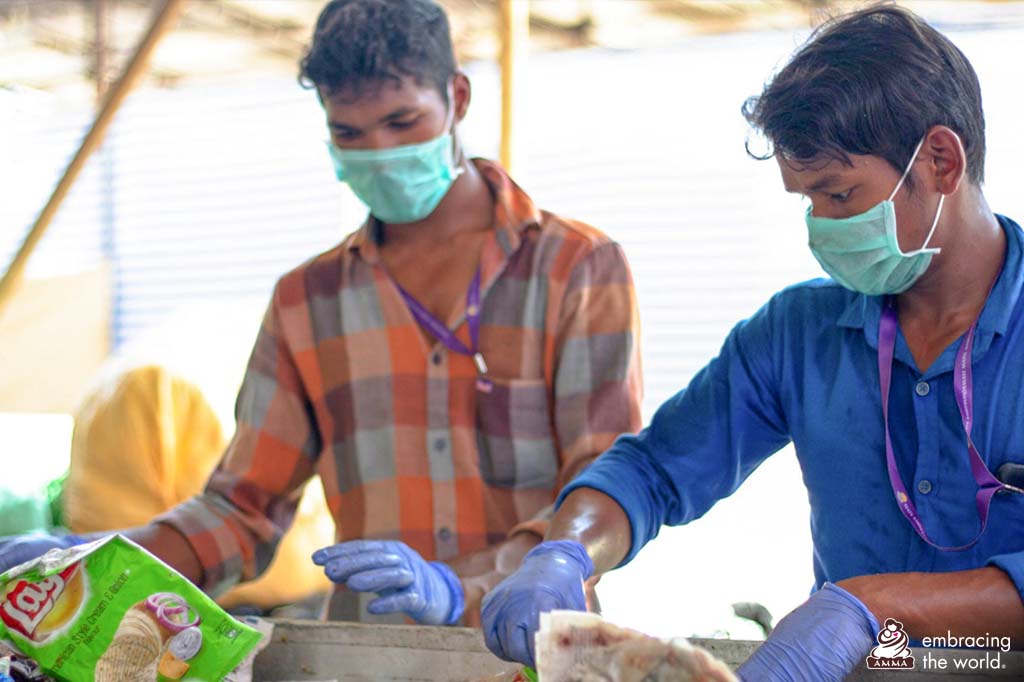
(988, 485)
(441, 332)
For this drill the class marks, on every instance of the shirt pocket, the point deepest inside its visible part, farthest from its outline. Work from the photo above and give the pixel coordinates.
(514, 435)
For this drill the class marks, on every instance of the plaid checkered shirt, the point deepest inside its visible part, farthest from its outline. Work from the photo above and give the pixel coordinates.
(343, 383)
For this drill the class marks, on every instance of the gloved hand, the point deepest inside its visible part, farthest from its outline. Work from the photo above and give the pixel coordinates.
(17, 549)
(822, 640)
(550, 577)
(430, 593)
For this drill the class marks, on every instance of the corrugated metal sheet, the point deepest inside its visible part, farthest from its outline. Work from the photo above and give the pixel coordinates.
(35, 146)
(219, 191)
(651, 151)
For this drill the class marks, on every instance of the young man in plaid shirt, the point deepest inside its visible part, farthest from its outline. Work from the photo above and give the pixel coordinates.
(445, 369)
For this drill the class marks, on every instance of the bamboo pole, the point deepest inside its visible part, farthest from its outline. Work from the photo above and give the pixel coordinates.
(515, 27)
(162, 23)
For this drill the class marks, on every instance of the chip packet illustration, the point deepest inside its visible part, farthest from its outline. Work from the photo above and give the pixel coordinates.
(109, 611)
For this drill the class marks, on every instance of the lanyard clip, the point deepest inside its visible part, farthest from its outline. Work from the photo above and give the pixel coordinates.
(481, 364)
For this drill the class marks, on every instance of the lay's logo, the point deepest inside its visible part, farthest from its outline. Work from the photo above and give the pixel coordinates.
(37, 610)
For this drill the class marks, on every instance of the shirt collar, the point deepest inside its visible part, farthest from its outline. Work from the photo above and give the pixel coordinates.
(864, 311)
(514, 213)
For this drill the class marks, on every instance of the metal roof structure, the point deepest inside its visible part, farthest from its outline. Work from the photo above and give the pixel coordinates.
(61, 46)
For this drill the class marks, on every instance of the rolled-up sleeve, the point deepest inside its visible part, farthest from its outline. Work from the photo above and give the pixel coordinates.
(234, 526)
(702, 443)
(1013, 565)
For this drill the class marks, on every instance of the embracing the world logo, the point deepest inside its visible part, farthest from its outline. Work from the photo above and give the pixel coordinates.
(893, 650)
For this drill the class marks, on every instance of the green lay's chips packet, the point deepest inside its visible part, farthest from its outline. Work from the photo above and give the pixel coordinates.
(109, 611)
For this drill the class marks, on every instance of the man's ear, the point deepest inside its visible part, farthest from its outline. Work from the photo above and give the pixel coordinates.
(461, 94)
(947, 159)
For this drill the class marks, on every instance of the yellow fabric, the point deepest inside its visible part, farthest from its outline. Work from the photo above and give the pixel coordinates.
(147, 441)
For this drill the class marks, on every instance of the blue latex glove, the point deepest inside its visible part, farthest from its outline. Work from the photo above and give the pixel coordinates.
(822, 640)
(17, 549)
(550, 577)
(428, 592)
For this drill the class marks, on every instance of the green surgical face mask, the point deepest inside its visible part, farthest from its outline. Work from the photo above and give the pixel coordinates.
(863, 253)
(400, 184)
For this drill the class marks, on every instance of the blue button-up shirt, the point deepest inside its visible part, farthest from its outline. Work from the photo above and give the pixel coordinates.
(804, 369)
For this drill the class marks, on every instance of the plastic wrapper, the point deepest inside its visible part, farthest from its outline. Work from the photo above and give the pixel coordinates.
(583, 647)
(18, 667)
(109, 611)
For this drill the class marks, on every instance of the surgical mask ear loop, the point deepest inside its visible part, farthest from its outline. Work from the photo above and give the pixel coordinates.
(928, 239)
(938, 212)
(449, 117)
(906, 172)
(458, 160)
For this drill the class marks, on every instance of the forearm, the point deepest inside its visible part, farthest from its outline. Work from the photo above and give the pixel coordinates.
(973, 602)
(165, 543)
(597, 522)
(482, 570)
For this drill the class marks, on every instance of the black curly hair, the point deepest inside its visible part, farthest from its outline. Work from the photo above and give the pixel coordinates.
(361, 43)
(871, 82)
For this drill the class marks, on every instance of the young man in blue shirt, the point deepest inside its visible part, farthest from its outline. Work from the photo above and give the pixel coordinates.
(899, 381)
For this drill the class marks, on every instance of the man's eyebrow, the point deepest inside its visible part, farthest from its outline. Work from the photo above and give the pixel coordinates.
(401, 112)
(824, 182)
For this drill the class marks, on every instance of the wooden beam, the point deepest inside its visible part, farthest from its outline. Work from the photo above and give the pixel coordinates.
(133, 73)
(515, 30)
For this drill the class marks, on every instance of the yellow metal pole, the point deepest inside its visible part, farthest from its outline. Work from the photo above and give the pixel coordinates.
(515, 30)
(162, 23)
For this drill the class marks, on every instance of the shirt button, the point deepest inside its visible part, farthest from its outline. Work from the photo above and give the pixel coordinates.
(924, 486)
(922, 388)
(440, 444)
(444, 534)
(436, 359)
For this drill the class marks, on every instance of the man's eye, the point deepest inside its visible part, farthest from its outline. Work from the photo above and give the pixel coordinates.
(345, 135)
(401, 125)
(841, 196)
